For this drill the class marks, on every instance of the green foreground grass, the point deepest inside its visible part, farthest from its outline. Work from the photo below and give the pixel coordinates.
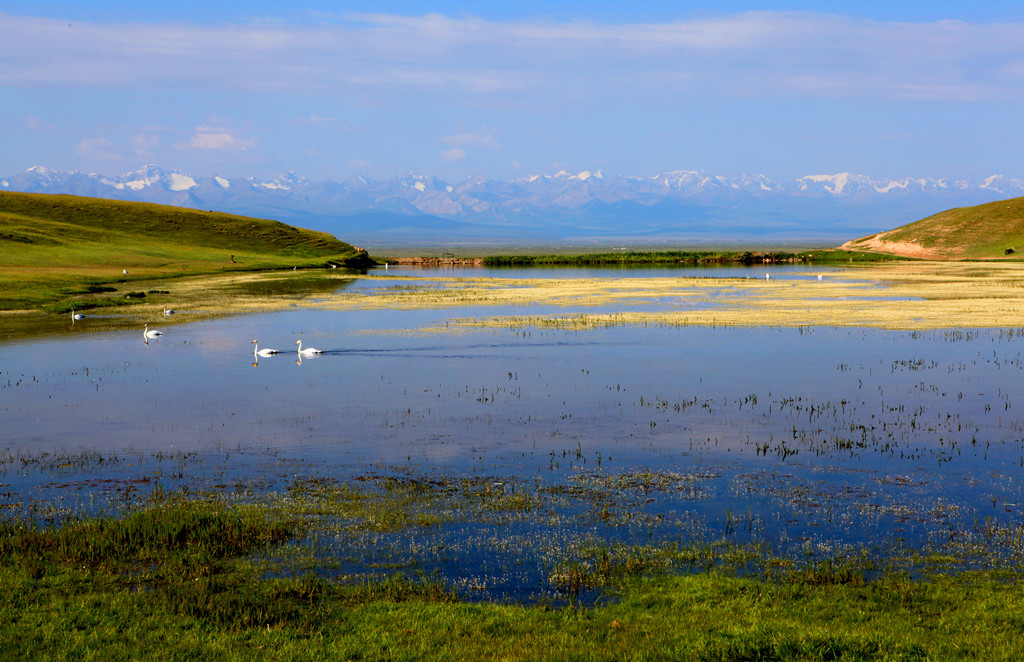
(183, 579)
(59, 252)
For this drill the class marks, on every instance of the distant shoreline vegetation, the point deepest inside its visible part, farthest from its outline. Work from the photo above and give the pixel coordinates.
(640, 258)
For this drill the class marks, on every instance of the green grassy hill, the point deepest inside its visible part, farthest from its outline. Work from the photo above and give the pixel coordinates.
(984, 231)
(53, 245)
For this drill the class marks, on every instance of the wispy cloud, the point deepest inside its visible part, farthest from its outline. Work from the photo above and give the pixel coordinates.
(314, 120)
(33, 123)
(453, 155)
(757, 53)
(218, 139)
(100, 148)
(143, 144)
(479, 138)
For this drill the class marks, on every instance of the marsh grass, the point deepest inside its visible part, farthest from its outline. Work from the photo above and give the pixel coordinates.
(898, 295)
(186, 578)
(905, 296)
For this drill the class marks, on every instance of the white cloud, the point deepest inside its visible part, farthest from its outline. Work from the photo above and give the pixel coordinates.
(100, 147)
(218, 138)
(144, 143)
(452, 155)
(754, 53)
(33, 123)
(314, 120)
(480, 138)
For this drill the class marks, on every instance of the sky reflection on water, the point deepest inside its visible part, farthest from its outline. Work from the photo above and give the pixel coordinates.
(844, 436)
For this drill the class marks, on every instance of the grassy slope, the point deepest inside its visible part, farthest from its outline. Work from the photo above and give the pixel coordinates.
(51, 245)
(984, 231)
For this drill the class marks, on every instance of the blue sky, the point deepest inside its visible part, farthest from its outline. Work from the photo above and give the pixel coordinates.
(456, 89)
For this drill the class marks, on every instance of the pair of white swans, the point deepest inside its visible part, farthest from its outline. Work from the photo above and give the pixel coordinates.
(309, 351)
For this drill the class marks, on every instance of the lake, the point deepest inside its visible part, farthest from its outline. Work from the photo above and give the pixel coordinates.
(803, 440)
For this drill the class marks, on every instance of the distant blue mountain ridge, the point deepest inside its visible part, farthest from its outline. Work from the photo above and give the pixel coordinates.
(583, 208)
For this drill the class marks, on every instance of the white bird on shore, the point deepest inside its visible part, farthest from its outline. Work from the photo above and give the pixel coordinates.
(263, 352)
(309, 351)
(146, 333)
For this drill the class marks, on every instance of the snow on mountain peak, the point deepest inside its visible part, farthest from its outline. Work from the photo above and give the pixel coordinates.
(991, 182)
(179, 182)
(534, 196)
(834, 184)
(681, 178)
(286, 181)
(136, 180)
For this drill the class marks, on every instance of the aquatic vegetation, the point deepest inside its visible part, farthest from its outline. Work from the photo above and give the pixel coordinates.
(177, 577)
(569, 462)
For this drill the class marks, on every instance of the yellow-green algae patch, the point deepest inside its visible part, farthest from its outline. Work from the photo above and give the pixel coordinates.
(912, 296)
(457, 292)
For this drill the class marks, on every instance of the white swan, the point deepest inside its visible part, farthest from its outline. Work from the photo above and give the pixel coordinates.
(168, 311)
(76, 316)
(146, 333)
(263, 352)
(309, 351)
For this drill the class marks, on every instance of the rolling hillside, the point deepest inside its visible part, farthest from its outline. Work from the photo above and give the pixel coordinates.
(53, 245)
(992, 230)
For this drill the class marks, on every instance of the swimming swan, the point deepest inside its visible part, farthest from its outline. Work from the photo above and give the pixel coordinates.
(146, 333)
(309, 351)
(262, 352)
(76, 316)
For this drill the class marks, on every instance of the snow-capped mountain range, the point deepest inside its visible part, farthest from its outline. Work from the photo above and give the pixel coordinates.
(584, 206)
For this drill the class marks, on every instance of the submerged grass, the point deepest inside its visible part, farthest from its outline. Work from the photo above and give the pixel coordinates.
(185, 578)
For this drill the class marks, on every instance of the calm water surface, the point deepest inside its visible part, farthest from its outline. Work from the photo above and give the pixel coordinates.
(820, 436)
